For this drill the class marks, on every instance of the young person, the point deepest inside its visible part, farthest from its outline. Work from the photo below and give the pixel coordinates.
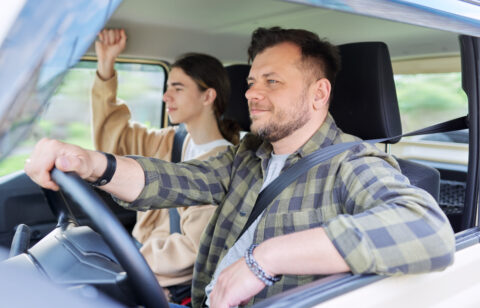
(197, 92)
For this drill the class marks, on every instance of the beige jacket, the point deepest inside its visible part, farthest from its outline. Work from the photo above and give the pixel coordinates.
(171, 256)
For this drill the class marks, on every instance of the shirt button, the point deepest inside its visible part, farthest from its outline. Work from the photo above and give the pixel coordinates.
(242, 213)
(225, 247)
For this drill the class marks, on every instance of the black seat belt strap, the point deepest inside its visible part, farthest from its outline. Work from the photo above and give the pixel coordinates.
(177, 147)
(174, 218)
(178, 140)
(270, 192)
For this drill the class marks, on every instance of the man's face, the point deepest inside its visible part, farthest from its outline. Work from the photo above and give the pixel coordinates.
(278, 91)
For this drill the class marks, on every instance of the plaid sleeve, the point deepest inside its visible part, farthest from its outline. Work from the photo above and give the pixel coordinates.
(189, 183)
(388, 225)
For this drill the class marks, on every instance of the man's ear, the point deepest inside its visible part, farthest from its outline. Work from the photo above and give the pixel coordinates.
(209, 96)
(321, 93)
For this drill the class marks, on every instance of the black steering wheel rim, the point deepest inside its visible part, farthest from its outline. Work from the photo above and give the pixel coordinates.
(141, 277)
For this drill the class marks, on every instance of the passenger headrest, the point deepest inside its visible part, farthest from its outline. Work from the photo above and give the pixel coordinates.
(364, 101)
(237, 108)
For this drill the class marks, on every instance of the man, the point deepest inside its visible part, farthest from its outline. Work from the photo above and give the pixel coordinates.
(355, 212)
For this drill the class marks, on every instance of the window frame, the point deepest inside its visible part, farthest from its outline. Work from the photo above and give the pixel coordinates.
(165, 65)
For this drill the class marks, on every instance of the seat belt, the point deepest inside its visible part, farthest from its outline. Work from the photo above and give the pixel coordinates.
(269, 193)
(178, 140)
(177, 147)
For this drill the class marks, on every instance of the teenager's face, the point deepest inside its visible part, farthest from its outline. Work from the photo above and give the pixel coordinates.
(277, 94)
(183, 98)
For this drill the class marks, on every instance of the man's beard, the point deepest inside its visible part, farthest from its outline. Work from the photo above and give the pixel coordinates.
(283, 124)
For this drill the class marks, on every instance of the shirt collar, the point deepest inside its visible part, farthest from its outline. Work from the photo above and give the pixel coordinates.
(324, 137)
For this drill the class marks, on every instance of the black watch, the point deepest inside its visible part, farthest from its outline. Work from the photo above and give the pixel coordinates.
(109, 172)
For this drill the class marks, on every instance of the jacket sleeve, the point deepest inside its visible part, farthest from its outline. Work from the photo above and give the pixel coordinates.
(171, 256)
(388, 226)
(113, 130)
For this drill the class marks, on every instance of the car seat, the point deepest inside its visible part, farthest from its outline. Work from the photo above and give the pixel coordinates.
(364, 103)
(237, 108)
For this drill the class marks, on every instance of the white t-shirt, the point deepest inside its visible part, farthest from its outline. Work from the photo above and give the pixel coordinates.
(194, 150)
(275, 166)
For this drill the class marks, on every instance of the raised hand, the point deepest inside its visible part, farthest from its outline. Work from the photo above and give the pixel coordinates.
(110, 43)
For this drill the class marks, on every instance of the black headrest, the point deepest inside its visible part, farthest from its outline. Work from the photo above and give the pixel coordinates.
(364, 101)
(237, 108)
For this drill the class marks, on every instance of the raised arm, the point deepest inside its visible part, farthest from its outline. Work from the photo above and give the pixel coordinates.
(110, 43)
(113, 130)
(127, 182)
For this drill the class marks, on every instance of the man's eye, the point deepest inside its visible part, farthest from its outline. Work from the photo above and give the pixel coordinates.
(272, 81)
(249, 85)
(178, 89)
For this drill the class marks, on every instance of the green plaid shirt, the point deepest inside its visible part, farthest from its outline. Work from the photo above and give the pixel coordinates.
(377, 221)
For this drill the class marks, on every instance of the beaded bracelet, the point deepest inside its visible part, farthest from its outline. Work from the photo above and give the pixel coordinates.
(257, 270)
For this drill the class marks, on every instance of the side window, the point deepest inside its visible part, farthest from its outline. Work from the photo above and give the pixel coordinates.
(427, 99)
(67, 116)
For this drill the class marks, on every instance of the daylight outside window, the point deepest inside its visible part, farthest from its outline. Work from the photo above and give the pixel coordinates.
(67, 116)
(427, 99)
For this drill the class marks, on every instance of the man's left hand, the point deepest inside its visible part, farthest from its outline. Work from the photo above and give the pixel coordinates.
(235, 286)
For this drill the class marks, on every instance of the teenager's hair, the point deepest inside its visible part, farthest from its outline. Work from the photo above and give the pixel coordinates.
(208, 72)
(319, 56)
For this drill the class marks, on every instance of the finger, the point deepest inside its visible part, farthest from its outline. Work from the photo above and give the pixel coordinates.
(117, 35)
(47, 182)
(70, 163)
(101, 36)
(41, 177)
(123, 37)
(110, 37)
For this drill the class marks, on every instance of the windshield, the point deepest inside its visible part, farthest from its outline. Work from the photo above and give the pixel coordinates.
(47, 38)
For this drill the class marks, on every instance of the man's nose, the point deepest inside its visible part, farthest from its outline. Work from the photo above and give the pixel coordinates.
(254, 93)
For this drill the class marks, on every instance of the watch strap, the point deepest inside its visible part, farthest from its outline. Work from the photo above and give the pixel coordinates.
(109, 171)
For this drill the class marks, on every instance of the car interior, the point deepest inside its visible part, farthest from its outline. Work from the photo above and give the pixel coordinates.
(365, 103)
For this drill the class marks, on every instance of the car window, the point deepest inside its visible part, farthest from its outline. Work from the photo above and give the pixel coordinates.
(67, 116)
(427, 99)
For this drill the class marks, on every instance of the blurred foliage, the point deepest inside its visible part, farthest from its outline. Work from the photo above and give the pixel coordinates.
(12, 163)
(426, 99)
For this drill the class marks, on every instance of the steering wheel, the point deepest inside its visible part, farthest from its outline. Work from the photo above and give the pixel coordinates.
(141, 278)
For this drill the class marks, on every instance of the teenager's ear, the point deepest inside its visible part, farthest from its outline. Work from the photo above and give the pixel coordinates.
(321, 91)
(209, 96)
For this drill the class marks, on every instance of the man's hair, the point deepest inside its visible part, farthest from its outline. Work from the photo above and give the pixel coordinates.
(318, 55)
